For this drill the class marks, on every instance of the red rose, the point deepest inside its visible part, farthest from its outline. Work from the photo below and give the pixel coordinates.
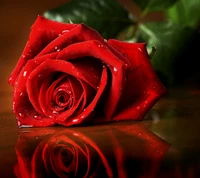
(68, 72)
(118, 151)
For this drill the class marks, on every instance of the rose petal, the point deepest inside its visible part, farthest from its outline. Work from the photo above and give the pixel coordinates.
(67, 37)
(103, 53)
(143, 87)
(45, 69)
(89, 67)
(83, 117)
(87, 95)
(21, 101)
(46, 91)
(23, 109)
(43, 31)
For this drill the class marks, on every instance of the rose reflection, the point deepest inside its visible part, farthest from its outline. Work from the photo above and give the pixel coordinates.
(126, 150)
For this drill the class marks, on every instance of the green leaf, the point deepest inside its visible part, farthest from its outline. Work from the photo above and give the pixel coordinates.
(170, 40)
(154, 5)
(185, 12)
(106, 16)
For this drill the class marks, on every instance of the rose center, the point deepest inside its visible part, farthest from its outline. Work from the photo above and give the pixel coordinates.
(63, 98)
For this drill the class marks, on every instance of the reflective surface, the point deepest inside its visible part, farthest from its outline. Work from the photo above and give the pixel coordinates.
(166, 144)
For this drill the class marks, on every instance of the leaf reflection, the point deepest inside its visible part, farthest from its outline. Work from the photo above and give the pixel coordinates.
(125, 150)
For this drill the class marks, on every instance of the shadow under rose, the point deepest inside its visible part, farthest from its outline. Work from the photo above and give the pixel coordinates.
(125, 150)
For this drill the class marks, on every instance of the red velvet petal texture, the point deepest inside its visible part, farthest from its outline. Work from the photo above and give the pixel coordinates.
(143, 87)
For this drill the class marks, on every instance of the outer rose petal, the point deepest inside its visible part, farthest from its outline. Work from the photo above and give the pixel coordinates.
(43, 31)
(143, 87)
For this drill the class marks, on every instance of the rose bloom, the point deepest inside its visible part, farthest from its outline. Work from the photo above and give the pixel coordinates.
(68, 72)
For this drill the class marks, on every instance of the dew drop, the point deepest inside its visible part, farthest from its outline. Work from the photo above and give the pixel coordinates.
(39, 75)
(24, 74)
(76, 134)
(75, 120)
(99, 46)
(98, 87)
(115, 72)
(138, 108)
(56, 47)
(55, 112)
(58, 50)
(65, 31)
(36, 138)
(37, 117)
(23, 56)
(21, 114)
(10, 79)
(82, 117)
(59, 34)
(139, 134)
(21, 94)
(19, 123)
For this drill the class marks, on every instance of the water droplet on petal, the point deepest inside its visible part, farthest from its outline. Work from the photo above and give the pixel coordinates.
(10, 78)
(58, 50)
(21, 94)
(56, 47)
(115, 72)
(23, 56)
(37, 117)
(55, 112)
(36, 138)
(65, 31)
(138, 108)
(98, 87)
(140, 49)
(99, 46)
(19, 123)
(24, 74)
(82, 117)
(139, 134)
(21, 114)
(75, 120)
